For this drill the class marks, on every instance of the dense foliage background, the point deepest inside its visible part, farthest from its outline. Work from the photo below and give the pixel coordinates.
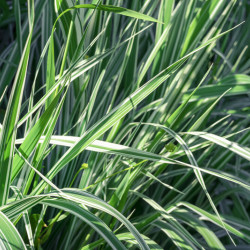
(124, 126)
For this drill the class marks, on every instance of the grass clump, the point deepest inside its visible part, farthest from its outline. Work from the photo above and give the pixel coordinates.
(124, 124)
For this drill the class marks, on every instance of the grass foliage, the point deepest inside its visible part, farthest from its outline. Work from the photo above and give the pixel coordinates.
(124, 124)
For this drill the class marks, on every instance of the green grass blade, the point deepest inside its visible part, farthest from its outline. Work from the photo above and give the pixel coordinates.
(9, 129)
(89, 218)
(10, 238)
(232, 146)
